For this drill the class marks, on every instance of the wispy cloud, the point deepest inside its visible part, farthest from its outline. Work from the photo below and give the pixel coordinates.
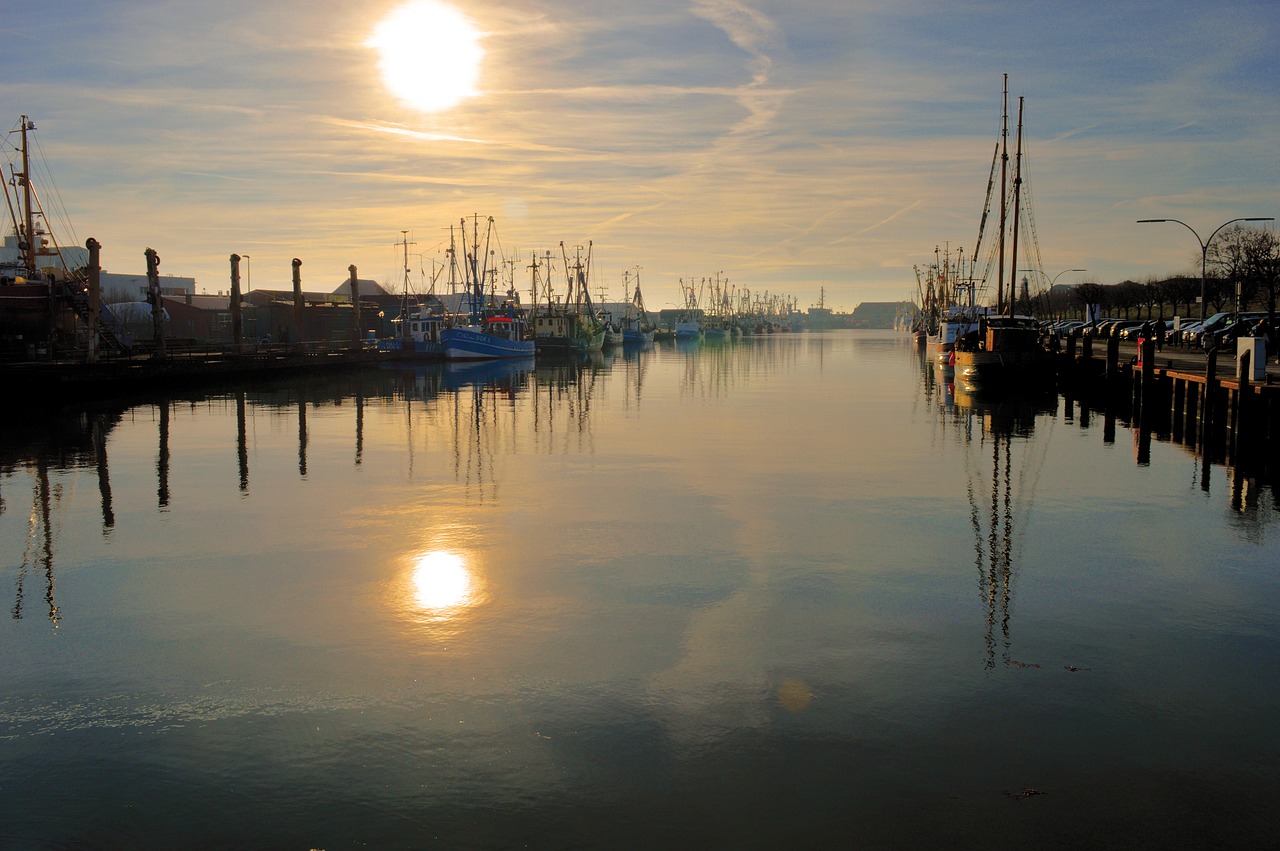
(833, 143)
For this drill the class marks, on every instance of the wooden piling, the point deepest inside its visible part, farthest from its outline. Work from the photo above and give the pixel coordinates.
(298, 303)
(355, 302)
(95, 296)
(237, 322)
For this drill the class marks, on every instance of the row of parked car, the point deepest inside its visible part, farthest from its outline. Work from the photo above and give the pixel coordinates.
(1218, 330)
(1222, 329)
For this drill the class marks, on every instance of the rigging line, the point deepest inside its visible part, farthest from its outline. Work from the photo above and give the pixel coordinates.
(46, 178)
(986, 206)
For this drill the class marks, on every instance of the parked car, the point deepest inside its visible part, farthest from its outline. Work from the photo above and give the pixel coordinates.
(1234, 327)
(1132, 329)
(1100, 327)
(1195, 336)
(1187, 331)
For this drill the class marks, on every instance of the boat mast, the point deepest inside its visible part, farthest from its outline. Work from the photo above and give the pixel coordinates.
(28, 241)
(404, 296)
(1004, 168)
(1017, 187)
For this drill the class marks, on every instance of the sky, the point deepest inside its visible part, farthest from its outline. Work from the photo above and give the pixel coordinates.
(813, 148)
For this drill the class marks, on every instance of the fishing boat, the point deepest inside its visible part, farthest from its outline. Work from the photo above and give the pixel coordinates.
(572, 325)
(50, 301)
(636, 327)
(488, 331)
(420, 323)
(613, 335)
(688, 324)
(1004, 351)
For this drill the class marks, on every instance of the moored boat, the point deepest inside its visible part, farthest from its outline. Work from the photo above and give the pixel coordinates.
(636, 327)
(490, 337)
(488, 332)
(1005, 353)
(1010, 355)
(572, 325)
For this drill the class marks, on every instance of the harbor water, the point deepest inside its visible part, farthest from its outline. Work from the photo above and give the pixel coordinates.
(794, 591)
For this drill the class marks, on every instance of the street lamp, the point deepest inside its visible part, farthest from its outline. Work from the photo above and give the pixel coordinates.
(1204, 246)
(1052, 281)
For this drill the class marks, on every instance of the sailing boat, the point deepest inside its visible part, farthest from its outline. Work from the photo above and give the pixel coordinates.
(489, 332)
(1006, 349)
(636, 327)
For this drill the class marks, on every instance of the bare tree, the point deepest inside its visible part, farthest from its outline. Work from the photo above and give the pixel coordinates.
(1127, 295)
(1229, 254)
(1089, 294)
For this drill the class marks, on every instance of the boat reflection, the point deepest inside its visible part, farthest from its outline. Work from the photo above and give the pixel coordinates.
(1002, 466)
(505, 373)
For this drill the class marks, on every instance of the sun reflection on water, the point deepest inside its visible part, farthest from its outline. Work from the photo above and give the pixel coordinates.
(442, 585)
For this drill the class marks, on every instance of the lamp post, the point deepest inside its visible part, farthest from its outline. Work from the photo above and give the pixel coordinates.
(1204, 246)
(1052, 281)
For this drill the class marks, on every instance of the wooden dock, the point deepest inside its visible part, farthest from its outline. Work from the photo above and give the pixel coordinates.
(67, 381)
(1209, 403)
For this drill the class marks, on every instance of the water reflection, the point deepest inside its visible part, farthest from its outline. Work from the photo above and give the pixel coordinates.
(1002, 470)
(38, 552)
(443, 583)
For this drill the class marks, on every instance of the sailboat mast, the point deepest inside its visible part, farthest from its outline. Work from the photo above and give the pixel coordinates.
(1017, 194)
(1004, 169)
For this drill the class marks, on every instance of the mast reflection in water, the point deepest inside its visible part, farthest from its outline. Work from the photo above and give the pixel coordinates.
(801, 592)
(1002, 470)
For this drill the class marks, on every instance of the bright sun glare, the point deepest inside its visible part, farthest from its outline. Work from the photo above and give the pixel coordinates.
(441, 581)
(430, 54)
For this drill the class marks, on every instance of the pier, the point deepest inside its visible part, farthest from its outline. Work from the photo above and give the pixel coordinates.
(1218, 406)
(62, 380)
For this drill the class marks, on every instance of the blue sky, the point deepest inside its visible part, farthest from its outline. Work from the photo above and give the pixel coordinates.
(789, 146)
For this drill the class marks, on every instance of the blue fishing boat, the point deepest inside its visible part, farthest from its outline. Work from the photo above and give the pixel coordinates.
(485, 332)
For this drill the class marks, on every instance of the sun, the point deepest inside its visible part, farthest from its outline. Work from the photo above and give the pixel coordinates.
(430, 54)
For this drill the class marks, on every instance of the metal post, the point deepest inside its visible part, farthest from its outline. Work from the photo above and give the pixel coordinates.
(1204, 247)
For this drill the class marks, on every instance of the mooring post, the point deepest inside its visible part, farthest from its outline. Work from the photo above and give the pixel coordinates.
(1240, 410)
(355, 301)
(297, 302)
(95, 295)
(237, 323)
(156, 300)
(1113, 357)
(1195, 405)
(1179, 408)
(1147, 386)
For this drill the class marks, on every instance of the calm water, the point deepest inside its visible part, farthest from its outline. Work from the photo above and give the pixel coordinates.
(791, 592)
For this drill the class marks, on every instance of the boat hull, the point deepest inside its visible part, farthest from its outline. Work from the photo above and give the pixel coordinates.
(592, 343)
(1003, 369)
(688, 330)
(468, 344)
(637, 338)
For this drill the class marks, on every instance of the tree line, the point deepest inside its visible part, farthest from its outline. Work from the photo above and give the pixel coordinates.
(1243, 258)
